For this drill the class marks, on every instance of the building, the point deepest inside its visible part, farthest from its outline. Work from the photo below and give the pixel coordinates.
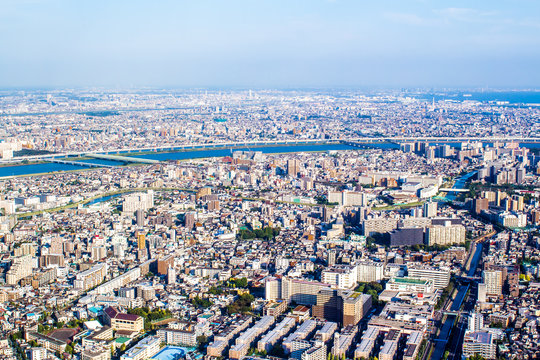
(379, 226)
(90, 278)
(47, 342)
(293, 167)
(446, 234)
(341, 306)
(369, 271)
(302, 292)
(301, 333)
(430, 209)
(340, 276)
(144, 349)
(122, 321)
(96, 353)
(267, 342)
(315, 353)
(512, 220)
(493, 280)
(343, 341)
(475, 321)
(138, 201)
(407, 237)
(347, 198)
(20, 268)
(480, 204)
(410, 285)
(164, 263)
(480, 343)
(184, 337)
(141, 241)
(440, 276)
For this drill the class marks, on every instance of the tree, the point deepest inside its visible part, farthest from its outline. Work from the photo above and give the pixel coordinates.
(201, 302)
(202, 340)
(476, 357)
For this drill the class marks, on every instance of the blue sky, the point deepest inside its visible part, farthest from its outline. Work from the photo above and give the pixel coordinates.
(270, 43)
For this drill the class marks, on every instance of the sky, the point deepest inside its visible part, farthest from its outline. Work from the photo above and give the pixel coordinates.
(270, 43)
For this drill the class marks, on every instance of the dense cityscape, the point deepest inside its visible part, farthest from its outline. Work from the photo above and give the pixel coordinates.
(257, 224)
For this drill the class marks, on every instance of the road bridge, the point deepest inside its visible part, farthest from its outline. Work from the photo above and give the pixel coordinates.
(359, 141)
(127, 159)
(79, 163)
(454, 190)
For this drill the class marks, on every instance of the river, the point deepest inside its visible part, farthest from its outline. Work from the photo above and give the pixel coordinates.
(176, 155)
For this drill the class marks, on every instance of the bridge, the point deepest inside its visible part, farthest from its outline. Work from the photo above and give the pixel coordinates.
(359, 141)
(125, 159)
(79, 163)
(454, 190)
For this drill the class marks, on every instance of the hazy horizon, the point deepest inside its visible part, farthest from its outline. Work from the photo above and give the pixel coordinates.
(304, 44)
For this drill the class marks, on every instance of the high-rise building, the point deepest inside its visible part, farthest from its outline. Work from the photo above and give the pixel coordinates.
(430, 209)
(213, 205)
(332, 257)
(476, 321)
(341, 306)
(302, 292)
(447, 234)
(141, 241)
(20, 268)
(139, 216)
(493, 279)
(440, 276)
(138, 201)
(189, 220)
(480, 204)
(369, 271)
(90, 278)
(164, 263)
(340, 276)
(293, 167)
(171, 276)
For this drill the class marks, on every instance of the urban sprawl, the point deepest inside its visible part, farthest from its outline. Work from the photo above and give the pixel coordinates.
(391, 247)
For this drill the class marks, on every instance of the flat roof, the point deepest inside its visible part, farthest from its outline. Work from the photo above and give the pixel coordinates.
(406, 280)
